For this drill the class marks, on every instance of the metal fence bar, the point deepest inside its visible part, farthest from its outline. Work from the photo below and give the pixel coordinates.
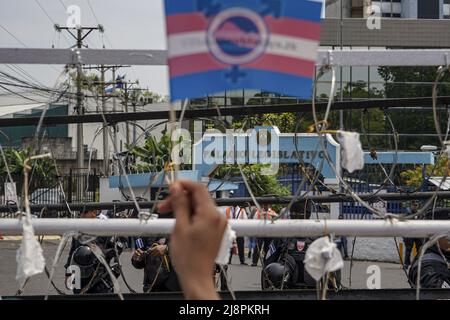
(375, 57)
(251, 228)
(336, 198)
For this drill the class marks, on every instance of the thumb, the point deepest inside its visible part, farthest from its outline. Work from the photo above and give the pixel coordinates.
(180, 204)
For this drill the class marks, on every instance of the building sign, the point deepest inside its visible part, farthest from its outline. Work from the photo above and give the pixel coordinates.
(265, 145)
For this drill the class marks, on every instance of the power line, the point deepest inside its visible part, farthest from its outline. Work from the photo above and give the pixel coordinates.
(49, 18)
(18, 94)
(12, 35)
(15, 66)
(62, 3)
(104, 34)
(98, 22)
(44, 11)
(24, 73)
(93, 12)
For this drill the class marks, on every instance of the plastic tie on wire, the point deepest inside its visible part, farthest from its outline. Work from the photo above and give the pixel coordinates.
(145, 216)
(352, 154)
(327, 64)
(29, 257)
(323, 257)
(228, 239)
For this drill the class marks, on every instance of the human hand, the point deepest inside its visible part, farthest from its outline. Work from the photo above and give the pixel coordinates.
(196, 238)
(138, 255)
(158, 250)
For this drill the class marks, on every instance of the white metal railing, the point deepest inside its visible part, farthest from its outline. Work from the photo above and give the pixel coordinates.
(253, 228)
(356, 57)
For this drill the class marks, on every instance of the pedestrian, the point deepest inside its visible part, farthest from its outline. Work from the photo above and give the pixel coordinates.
(411, 242)
(196, 237)
(237, 213)
(262, 243)
(343, 243)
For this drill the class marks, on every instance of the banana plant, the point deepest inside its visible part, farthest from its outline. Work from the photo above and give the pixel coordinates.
(43, 169)
(153, 155)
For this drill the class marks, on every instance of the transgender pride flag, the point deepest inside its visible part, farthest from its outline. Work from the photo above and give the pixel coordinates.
(222, 45)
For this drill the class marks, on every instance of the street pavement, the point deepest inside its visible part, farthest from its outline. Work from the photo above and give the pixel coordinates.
(243, 278)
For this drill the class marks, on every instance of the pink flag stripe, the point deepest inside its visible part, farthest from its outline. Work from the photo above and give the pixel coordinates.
(297, 67)
(192, 22)
(188, 22)
(204, 62)
(196, 63)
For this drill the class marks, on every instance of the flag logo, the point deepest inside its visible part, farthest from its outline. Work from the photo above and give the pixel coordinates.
(225, 45)
(237, 36)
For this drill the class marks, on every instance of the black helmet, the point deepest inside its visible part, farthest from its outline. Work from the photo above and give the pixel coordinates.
(275, 273)
(83, 256)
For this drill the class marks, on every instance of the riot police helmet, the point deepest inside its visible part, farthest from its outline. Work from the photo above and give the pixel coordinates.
(83, 256)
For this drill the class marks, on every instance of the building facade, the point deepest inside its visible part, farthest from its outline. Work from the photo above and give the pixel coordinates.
(406, 9)
(413, 9)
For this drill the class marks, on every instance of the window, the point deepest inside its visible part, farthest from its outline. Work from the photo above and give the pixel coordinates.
(428, 9)
(389, 8)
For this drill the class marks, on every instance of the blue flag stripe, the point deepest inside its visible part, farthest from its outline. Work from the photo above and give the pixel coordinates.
(298, 9)
(214, 81)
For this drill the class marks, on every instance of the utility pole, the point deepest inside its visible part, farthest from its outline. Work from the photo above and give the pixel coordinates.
(116, 170)
(105, 126)
(103, 84)
(341, 85)
(126, 100)
(127, 125)
(79, 37)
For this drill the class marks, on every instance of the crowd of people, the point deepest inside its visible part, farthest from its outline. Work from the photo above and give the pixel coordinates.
(176, 263)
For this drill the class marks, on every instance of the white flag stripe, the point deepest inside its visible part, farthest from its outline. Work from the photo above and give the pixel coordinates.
(186, 44)
(190, 43)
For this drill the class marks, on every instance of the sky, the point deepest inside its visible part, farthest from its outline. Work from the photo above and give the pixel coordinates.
(131, 24)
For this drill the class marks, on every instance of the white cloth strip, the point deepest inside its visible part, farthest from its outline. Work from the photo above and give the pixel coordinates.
(190, 43)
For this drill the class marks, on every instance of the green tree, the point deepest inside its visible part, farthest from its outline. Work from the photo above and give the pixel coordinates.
(154, 155)
(260, 184)
(414, 177)
(44, 170)
(410, 82)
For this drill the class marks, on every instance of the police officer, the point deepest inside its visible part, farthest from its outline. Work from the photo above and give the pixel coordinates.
(94, 277)
(152, 255)
(410, 242)
(435, 272)
(284, 260)
(284, 267)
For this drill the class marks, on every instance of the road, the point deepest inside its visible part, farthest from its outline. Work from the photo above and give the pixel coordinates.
(243, 278)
